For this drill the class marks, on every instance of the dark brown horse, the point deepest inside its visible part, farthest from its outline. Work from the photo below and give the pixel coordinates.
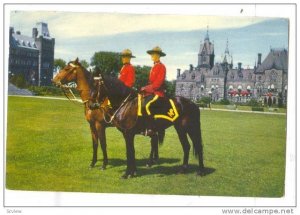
(75, 72)
(125, 101)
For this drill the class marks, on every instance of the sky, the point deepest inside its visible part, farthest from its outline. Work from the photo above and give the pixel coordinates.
(81, 34)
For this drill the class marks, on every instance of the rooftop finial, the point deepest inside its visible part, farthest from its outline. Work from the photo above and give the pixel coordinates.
(207, 37)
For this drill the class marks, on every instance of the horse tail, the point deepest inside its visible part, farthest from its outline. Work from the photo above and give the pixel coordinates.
(161, 136)
(195, 133)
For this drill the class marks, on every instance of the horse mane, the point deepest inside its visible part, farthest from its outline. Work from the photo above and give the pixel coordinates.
(89, 76)
(116, 87)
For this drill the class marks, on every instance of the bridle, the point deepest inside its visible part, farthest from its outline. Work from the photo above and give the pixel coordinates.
(67, 89)
(112, 117)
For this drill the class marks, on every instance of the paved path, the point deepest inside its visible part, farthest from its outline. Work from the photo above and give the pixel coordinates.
(206, 109)
(242, 111)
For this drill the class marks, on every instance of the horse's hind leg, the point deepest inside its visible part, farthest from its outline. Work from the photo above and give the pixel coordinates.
(94, 144)
(153, 158)
(102, 138)
(185, 146)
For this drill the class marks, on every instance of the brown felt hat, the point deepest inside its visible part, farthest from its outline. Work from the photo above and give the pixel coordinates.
(157, 50)
(127, 53)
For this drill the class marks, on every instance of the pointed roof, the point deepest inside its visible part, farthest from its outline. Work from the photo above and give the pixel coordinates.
(276, 59)
(206, 36)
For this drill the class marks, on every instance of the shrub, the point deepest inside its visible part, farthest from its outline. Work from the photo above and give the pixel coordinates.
(253, 103)
(257, 109)
(46, 91)
(19, 81)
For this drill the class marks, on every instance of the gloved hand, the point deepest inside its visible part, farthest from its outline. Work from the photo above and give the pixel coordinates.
(94, 106)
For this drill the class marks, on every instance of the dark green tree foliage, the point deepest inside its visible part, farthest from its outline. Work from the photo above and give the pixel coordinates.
(107, 62)
(141, 76)
(170, 88)
(59, 63)
(84, 63)
(19, 81)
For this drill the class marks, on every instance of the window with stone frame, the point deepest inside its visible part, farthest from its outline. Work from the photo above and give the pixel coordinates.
(273, 76)
(202, 78)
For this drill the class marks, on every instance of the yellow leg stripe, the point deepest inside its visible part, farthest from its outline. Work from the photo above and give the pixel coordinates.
(149, 103)
(139, 105)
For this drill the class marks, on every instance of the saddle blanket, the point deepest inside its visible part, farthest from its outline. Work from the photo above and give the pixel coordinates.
(160, 108)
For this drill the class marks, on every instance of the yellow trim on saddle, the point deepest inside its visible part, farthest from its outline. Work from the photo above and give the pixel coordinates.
(173, 113)
(149, 103)
(139, 105)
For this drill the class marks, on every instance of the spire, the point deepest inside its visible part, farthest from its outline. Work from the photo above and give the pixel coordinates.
(227, 49)
(206, 37)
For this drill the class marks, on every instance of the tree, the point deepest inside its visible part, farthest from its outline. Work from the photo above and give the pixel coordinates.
(170, 88)
(141, 76)
(84, 63)
(59, 63)
(107, 62)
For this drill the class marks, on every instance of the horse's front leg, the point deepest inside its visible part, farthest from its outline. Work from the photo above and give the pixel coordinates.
(130, 154)
(102, 138)
(94, 145)
(153, 158)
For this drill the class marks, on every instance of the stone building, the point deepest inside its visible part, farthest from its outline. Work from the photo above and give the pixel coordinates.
(32, 56)
(266, 81)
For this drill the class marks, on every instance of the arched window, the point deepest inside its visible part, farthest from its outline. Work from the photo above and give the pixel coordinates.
(202, 78)
(273, 77)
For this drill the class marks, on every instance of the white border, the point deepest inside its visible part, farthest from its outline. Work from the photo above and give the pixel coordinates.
(21, 198)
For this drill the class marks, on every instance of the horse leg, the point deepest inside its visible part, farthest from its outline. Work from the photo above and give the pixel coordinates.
(185, 146)
(153, 158)
(102, 138)
(130, 154)
(94, 145)
(195, 135)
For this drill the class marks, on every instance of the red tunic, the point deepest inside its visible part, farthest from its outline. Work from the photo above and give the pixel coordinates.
(156, 80)
(127, 75)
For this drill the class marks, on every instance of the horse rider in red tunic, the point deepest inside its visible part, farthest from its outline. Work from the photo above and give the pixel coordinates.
(157, 74)
(127, 73)
(156, 82)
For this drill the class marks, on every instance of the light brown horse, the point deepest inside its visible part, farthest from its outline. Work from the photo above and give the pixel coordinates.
(75, 72)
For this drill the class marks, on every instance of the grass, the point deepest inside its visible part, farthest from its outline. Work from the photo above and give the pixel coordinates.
(49, 149)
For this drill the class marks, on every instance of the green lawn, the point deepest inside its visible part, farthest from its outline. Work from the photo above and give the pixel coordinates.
(49, 149)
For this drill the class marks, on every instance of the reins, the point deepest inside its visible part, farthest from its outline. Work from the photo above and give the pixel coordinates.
(114, 114)
(112, 117)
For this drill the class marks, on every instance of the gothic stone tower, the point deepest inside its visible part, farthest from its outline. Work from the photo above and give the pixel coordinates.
(206, 54)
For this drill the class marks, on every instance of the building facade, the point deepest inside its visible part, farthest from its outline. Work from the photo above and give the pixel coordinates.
(266, 81)
(32, 56)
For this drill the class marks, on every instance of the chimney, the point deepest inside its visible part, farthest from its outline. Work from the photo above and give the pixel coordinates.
(178, 73)
(191, 67)
(11, 31)
(259, 59)
(239, 66)
(18, 32)
(34, 33)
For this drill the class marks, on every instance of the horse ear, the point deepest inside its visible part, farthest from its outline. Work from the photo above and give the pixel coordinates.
(77, 60)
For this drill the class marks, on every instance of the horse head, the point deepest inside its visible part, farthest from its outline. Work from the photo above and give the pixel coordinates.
(67, 74)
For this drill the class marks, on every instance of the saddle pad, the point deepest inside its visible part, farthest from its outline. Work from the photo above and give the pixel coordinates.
(167, 111)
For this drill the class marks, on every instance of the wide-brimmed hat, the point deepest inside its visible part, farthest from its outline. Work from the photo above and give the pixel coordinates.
(157, 50)
(127, 53)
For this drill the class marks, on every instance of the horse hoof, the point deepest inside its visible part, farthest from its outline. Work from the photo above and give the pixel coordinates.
(182, 170)
(201, 173)
(125, 176)
(103, 168)
(149, 165)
